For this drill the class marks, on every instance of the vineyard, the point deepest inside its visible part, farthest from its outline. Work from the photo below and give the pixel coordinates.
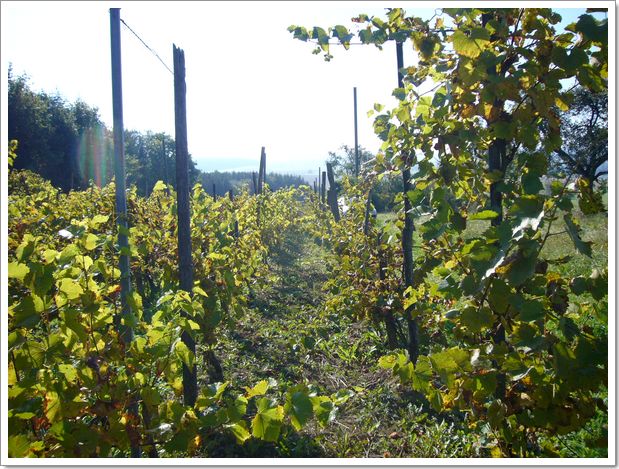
(470, 322)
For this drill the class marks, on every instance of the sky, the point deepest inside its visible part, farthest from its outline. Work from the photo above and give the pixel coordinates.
(249, 83)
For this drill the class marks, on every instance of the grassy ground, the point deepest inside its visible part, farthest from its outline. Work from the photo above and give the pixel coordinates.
(286, 335)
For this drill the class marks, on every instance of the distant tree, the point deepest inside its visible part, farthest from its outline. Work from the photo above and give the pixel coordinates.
(343, 161)
(49, 131)
(584, 130)
(150, 157)
(238, 180)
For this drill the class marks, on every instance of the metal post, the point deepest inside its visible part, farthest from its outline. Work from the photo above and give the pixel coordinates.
(126, 332)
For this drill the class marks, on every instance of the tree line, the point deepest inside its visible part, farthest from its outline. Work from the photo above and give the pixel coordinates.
(69, 145)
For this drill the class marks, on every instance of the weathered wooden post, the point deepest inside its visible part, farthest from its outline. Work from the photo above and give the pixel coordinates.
(407, 233)
(236, 222)
(332, 194)
(165, 162)
(185, 263)
(214, 192)
(324, 185)
(357, 163)
(366, 219)
(263, 165)
(261, 170)
(255, 182)
(125, 332)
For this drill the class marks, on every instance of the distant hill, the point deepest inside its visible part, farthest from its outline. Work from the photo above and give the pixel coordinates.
(248, 165)
(239, 180)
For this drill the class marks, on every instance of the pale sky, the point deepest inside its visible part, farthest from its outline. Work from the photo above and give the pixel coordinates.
(249, 83)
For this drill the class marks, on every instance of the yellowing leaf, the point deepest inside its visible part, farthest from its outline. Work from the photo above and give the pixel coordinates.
(17, 270)
(239, 430)
(470, 46)
(90, 242)
(184, 354)
(70, 287)
(258, 390)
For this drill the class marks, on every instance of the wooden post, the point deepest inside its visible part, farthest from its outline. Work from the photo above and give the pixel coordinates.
(496, 160)
(185, 263)
(315, 188)
(407, 235)
(357, 162)
(390, 323)
(125, 331)
(236, 222)
(261, 170)
(324, 185)
(332, 194)
(165, 162)
(263, 163)
(214, 192)
(253, 177)
(366, 220)
(319, 186)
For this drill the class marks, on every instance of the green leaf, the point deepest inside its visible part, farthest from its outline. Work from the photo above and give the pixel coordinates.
(70, 287)
(17, 270)
(98, 220)
(503, 130)
(299, 407)
(579, 285)
(69, 372)
(267, 423)
(73, 321)
(521, 268)
(528, 309)
(422, 374)
(573, 231)
(569, 62)
(598, 284)
(239, 430)
(27, 313)
(484, 215)
(19, 446)
(591, 29)
(26, 248)
(184, 354)
(477, 319)
(531, 183)
(237, 409)
(448, 362)
(387, 361)
(473, 45)
(67, 254)
(323, 408)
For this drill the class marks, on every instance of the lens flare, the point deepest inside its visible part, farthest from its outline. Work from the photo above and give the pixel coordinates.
(94, 153)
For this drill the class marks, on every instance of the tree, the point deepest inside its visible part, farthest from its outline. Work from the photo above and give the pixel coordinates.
(584, 130)
(343, 161)
(51, 135)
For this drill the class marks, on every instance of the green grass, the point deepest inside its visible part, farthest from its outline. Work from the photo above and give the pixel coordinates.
(287, 335)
